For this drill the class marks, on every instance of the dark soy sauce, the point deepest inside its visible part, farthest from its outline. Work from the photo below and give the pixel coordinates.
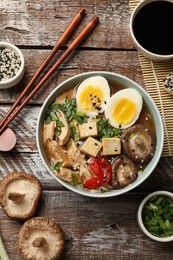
(153, 27)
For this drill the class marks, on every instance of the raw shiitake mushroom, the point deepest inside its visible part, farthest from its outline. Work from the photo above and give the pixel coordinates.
(19, 195)
(41, 239)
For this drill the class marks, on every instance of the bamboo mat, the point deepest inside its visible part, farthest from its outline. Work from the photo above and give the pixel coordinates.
(153, 74)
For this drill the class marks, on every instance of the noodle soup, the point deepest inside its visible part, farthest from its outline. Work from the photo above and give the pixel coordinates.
(99, 135)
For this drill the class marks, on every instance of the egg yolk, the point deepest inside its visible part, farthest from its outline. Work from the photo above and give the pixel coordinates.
(91, 98)
(124, 111)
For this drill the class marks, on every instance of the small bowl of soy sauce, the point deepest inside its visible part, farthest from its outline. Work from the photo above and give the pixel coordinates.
(155, 216)
(12, 65)
(150, 27)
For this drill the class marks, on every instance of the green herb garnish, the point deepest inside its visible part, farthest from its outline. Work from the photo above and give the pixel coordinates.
(157, 216)
(74, 134)
(56, 166)
(106, 130)
(74, 178)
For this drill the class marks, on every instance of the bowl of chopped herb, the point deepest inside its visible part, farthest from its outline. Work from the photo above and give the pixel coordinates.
(155, 216)
(12, 65)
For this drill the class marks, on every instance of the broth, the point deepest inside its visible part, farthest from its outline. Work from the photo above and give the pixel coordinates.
(145, 119)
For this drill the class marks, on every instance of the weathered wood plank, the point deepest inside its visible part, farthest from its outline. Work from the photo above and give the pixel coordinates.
(94, 229)
(42, 22)
(24, 126)
(122, 62)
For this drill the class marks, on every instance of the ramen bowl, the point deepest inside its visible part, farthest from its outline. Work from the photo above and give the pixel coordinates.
(116, 81)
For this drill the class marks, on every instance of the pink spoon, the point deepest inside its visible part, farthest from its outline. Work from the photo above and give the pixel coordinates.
(7, 140)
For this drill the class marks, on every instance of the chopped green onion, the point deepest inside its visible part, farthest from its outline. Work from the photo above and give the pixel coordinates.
(54, 107)
(53, 116)
(59, 123)
(157, 216)
(56, 166)
(132, 135)
(56, 132)
(74, 134)
(106, 130)
(81, 114)
(48, 120)
(74, 178)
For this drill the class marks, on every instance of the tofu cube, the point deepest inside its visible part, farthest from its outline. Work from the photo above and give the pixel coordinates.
(88, 129)
(91, 147)
(111, 146)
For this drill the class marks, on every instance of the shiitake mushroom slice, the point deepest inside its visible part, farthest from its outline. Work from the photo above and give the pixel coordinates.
(138, 143)
(124, 172)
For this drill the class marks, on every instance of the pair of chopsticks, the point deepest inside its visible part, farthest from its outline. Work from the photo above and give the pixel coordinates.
(21, 102)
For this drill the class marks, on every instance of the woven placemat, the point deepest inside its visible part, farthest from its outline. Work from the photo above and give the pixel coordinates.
(153, 74)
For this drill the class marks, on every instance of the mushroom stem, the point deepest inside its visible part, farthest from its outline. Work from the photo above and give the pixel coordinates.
(3, 252)
(39, 242)
(15, 196)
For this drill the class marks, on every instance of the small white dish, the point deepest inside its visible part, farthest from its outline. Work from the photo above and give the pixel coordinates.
(140, 219)
(12, 65)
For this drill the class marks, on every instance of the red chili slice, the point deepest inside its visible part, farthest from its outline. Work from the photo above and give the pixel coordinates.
(107, 174)
(93, 183)
(95, 168)
(101, 160)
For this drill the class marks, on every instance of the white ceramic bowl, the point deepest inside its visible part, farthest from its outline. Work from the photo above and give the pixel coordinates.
(148, 54)
(115, 78)
(8, 83)
(139, 215)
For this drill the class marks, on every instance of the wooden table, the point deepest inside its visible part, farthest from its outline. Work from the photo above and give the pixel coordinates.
(96, 229)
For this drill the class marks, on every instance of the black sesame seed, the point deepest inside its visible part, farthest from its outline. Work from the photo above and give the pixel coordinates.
(10, 63)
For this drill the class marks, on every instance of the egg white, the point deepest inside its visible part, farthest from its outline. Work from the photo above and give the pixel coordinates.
(124, 108)
(92, 95)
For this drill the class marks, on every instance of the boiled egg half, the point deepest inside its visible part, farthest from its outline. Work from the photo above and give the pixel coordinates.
(92, 95)
(124, 108)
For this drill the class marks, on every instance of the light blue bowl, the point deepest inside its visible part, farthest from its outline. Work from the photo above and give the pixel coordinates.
(113, 77)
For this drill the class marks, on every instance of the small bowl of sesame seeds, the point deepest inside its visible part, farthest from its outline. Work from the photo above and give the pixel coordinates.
(12, 65)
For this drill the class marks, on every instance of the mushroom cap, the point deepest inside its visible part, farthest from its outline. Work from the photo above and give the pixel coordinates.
(138, 143)
(124, 172)
(41, 239)
(19, 195)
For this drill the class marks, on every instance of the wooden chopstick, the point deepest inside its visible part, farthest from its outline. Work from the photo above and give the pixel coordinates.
(87, 29)
(68, 31)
